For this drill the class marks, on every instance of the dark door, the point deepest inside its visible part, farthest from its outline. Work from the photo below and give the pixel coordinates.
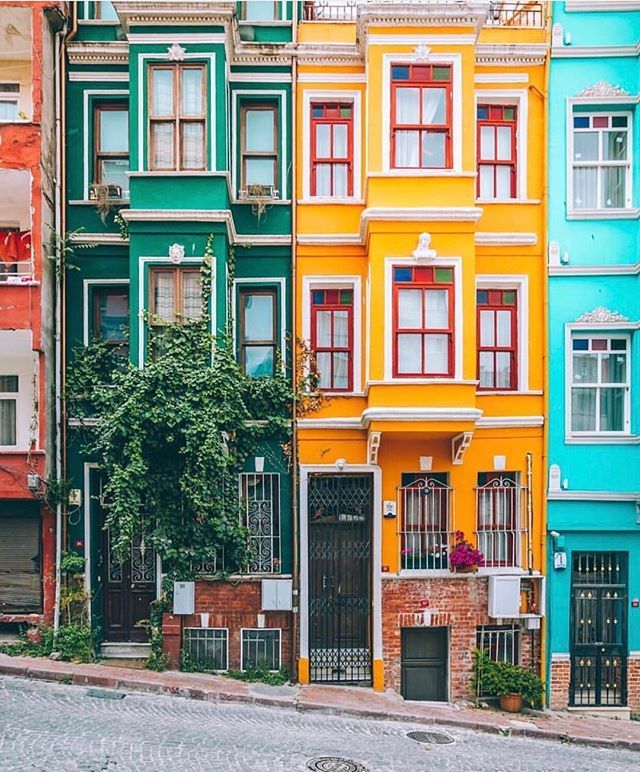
(424, 663)
(340, 508)
(128, 589)
(598, 628)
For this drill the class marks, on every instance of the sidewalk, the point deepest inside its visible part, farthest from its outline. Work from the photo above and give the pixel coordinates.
(354, 701)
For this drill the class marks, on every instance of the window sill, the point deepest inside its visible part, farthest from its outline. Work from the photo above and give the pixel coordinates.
(267, 202)
(436, 381)
(94, 202)
(100, 22)
(603, 439)
(422, 173)
(22, 282)
(485, 201)
(509, 393)
(327, 200)
(445, 573)
(603, 214)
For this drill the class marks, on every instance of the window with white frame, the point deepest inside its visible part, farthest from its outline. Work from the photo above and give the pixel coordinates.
(261, 648)
(260, 507)
(9, 95)
(9, 387)
(599, 384)
(601, 160)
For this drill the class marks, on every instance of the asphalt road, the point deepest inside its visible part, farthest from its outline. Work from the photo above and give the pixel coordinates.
(57, 728)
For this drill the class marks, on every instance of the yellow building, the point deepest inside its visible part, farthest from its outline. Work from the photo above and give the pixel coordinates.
(420, 287)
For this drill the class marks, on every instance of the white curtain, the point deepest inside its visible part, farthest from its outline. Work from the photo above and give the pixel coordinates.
(434, 106)
(436, 354)
(162, 92)
(163, 296)
(162, 142)
(192, 92)
(583, 410)
(192, 295)
(340, 370)
(192, 145)
(323, 329)
(340, 141)
(409, 354)
(323, 140)
(410, 309)
(437, 302)
(340, 329)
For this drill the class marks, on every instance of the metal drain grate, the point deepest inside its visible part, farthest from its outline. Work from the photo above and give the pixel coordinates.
(434, 738)
(335, 764)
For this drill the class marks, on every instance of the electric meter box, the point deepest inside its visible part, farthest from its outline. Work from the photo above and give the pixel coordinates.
(504, 597)
(184, 594)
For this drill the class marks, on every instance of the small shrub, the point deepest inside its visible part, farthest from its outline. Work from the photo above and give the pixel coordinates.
(76, 643)
(72, 563)
(494, 679)
(27, 647)
(260, 674)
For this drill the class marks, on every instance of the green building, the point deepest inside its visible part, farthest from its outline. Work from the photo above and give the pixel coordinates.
(178, 116)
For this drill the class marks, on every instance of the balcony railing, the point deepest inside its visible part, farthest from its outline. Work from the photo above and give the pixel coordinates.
(515, 14)
(328, 10)
(501, 525)
(16, 265)
(426, 527)
(19, 272)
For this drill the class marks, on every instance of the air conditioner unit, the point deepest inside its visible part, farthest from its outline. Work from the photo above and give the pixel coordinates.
(112, 191)
(258, 191)
(504, 597)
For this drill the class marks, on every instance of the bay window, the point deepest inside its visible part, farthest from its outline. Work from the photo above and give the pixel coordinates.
(259, 138)
(599, 384)
(258, 325)
(601, 161)
(178, 117)
(8, 409)
(111, 147)
(421, 116)
(496, 144)
(331, 149)
(423, 321)
(497, 339)
(332, 337)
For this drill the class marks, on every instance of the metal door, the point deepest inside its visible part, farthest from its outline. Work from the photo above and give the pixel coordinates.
(424, 663)
(340, 510)
(598, 628)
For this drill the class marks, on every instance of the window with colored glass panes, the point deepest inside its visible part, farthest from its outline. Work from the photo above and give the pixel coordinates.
(421, 116)
(257, 331)
(497, 151)
(332, 149)
(497, 339)
(423, 321)
(601, 165)
(599, 384)
(332, 337)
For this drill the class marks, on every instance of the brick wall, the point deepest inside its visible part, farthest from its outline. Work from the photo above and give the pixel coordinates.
(633, 682)
(560, 680)
(459, 604)
(234, 605)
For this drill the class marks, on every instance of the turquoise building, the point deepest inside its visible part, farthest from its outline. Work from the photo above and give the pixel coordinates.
(593, 630)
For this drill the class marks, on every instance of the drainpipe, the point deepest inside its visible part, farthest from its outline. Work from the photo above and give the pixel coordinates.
(59, 305)
(529, 512)
(294, 369)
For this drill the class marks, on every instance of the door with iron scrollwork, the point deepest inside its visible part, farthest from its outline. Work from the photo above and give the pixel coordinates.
(340, 514)
(128, 588)
(598, 628)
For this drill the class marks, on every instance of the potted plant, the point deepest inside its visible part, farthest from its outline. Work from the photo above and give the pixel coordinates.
(511, 684)
(464, 557)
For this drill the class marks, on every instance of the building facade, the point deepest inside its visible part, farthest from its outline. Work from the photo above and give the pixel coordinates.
(421, 289)
(180, 118)
(594, 313)
(30, 189)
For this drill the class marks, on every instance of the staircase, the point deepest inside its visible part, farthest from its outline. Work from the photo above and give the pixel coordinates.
(125, 650)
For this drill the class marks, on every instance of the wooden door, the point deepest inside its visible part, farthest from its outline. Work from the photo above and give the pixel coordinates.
(425, 663)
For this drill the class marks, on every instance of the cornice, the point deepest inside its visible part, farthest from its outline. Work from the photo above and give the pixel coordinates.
(91, 239)
(94, 53)
(421, 213)
(503, 239)
(186, 12)
(608, 6)
(410, 14)
(423, 414)
(593, 495)
(328, 238)
(510, 55)
(582, 52)
(341, 54)
(630, 269)
(510, 422)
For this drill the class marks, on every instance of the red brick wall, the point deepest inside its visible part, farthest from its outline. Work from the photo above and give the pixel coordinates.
(235, 605)
(459, 604)
(560, 680)
(633, 683)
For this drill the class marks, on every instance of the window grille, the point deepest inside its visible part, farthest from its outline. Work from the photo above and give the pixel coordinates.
(260, 501)
(500, 508)
(207, 647)
(427, 521)
(261, 648)
(501, 643)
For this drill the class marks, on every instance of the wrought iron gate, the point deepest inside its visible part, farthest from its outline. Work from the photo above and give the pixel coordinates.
(598, 628)
(340, 509)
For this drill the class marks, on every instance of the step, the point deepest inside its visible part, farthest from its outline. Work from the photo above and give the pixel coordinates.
(125, 650)
(602, 711)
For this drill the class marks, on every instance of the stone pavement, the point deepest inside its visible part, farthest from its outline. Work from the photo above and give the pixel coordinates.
(64, 728)
(346, 701)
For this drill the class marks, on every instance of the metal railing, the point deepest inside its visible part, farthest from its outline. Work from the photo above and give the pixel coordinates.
(501, 526)
(208, 647)
(260, 497)
(426, 526)
(17, 272)
(515, 14)
(328, 10)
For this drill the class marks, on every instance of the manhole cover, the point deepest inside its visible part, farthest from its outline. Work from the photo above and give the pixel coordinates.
(335, 764)
(435, 738)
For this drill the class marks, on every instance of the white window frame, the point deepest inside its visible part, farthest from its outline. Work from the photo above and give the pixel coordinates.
(346, 97)
(354, 283)
(25, 410)
(455, 60)
(13, 97)
(588, 334)
(519, 283)
(598, 212)
(458, 318)
(243, 630)
(519, 98)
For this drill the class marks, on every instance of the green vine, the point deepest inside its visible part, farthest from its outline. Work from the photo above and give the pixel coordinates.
(123, 225)
(62, 250)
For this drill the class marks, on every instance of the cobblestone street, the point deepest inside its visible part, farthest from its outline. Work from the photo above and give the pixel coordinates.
(51, 727)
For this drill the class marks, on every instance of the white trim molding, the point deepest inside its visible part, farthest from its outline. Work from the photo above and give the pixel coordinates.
(427, 414)
(504, 77)
(601, 5)
(417, 214)
(504, 239)
(98, 77)
(593, 496)
(90, 96)
(593, 52)
(328, 238)
(501, 55)
(331, 77)
(629, 269)
(509, 421)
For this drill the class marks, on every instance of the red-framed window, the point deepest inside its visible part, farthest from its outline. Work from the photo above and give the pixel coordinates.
(497, 313)
(497, 151)
(423, 321)
(331, 149)
(421, 109)
(332, 337)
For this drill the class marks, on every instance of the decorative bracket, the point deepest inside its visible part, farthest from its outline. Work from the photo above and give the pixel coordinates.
(602, 315)
(459, 445)
(602, 89)
(373, 446)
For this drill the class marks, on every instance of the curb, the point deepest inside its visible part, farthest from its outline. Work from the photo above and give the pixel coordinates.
(68, 675)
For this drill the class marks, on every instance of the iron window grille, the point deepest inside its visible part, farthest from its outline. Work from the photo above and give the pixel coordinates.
(260, 515)
(261, 648)
(501, 643)
(207, 647)
(427, 521)
(500, 511)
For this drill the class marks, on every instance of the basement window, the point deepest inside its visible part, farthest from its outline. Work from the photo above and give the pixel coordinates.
(261, 648)
(207, 647)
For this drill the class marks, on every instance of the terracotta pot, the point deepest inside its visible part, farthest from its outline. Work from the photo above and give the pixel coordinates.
(465, 569)
(512, 703)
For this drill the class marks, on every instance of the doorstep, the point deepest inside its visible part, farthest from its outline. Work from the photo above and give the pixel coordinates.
(125, 650)
(603, 711)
